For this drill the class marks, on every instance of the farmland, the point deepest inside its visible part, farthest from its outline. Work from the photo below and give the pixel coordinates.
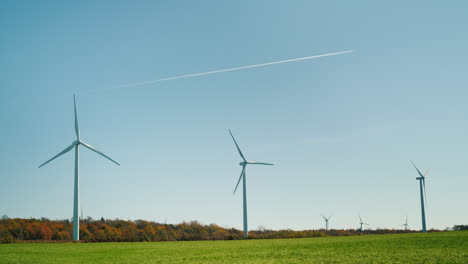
(439, 247)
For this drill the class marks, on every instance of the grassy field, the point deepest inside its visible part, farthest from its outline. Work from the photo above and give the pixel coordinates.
(447, 247)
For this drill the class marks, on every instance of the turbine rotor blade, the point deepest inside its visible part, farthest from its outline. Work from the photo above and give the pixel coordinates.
(417, 169)
(60, 154)
(98, 152)
(259, 163)
(240, 177)
(427, 171)
(240, 152)
(77, 130)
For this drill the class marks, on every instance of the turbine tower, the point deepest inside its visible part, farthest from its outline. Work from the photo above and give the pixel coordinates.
(361, 223)
(75, 144)
(406, 224)
(326, 221)
(244, 163)
(422, 190)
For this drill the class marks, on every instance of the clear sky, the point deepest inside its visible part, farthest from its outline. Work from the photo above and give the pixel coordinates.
(341, 130)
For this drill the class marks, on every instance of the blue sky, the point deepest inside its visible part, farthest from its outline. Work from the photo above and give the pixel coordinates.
(341, 130)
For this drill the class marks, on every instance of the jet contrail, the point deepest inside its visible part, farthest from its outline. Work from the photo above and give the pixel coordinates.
(227, 70)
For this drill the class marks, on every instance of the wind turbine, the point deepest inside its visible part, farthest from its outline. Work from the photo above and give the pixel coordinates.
(361, 223)
(326, 221)
(75, 144)
(406, 224)
(244, 163)
(422, 189)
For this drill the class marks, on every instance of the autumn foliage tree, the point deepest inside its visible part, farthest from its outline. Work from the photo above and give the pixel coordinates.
(107, 230)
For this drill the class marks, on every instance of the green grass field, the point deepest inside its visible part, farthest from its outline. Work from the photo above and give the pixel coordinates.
(446, 247)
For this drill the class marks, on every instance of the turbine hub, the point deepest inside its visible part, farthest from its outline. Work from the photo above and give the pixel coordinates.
(243, 163)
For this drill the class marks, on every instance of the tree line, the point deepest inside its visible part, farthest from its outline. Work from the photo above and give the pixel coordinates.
(117, 230)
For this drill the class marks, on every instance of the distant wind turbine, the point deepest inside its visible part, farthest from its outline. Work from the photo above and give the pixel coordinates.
(75, 144)
(326, 221)
(422, 189)
(244, 163)
(361, 223)
(406, 224)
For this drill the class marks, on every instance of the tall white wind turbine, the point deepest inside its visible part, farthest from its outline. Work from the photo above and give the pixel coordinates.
(244, 163)
(326, 221)
(422, 190)
(361, 223)
(406, 224)
(75, 144)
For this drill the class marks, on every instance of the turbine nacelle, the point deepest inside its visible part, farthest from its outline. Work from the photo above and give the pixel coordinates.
(420, 178)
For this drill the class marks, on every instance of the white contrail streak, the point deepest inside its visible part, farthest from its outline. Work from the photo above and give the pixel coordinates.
(228, 70)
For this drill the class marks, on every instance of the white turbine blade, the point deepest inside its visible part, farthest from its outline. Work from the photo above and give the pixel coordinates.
(60, 154)
(99, 152)
(240, 177)
(417, 169)
(426, 172)
(324, 218)
(77, 130)
(240, 152)
(258, 163)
